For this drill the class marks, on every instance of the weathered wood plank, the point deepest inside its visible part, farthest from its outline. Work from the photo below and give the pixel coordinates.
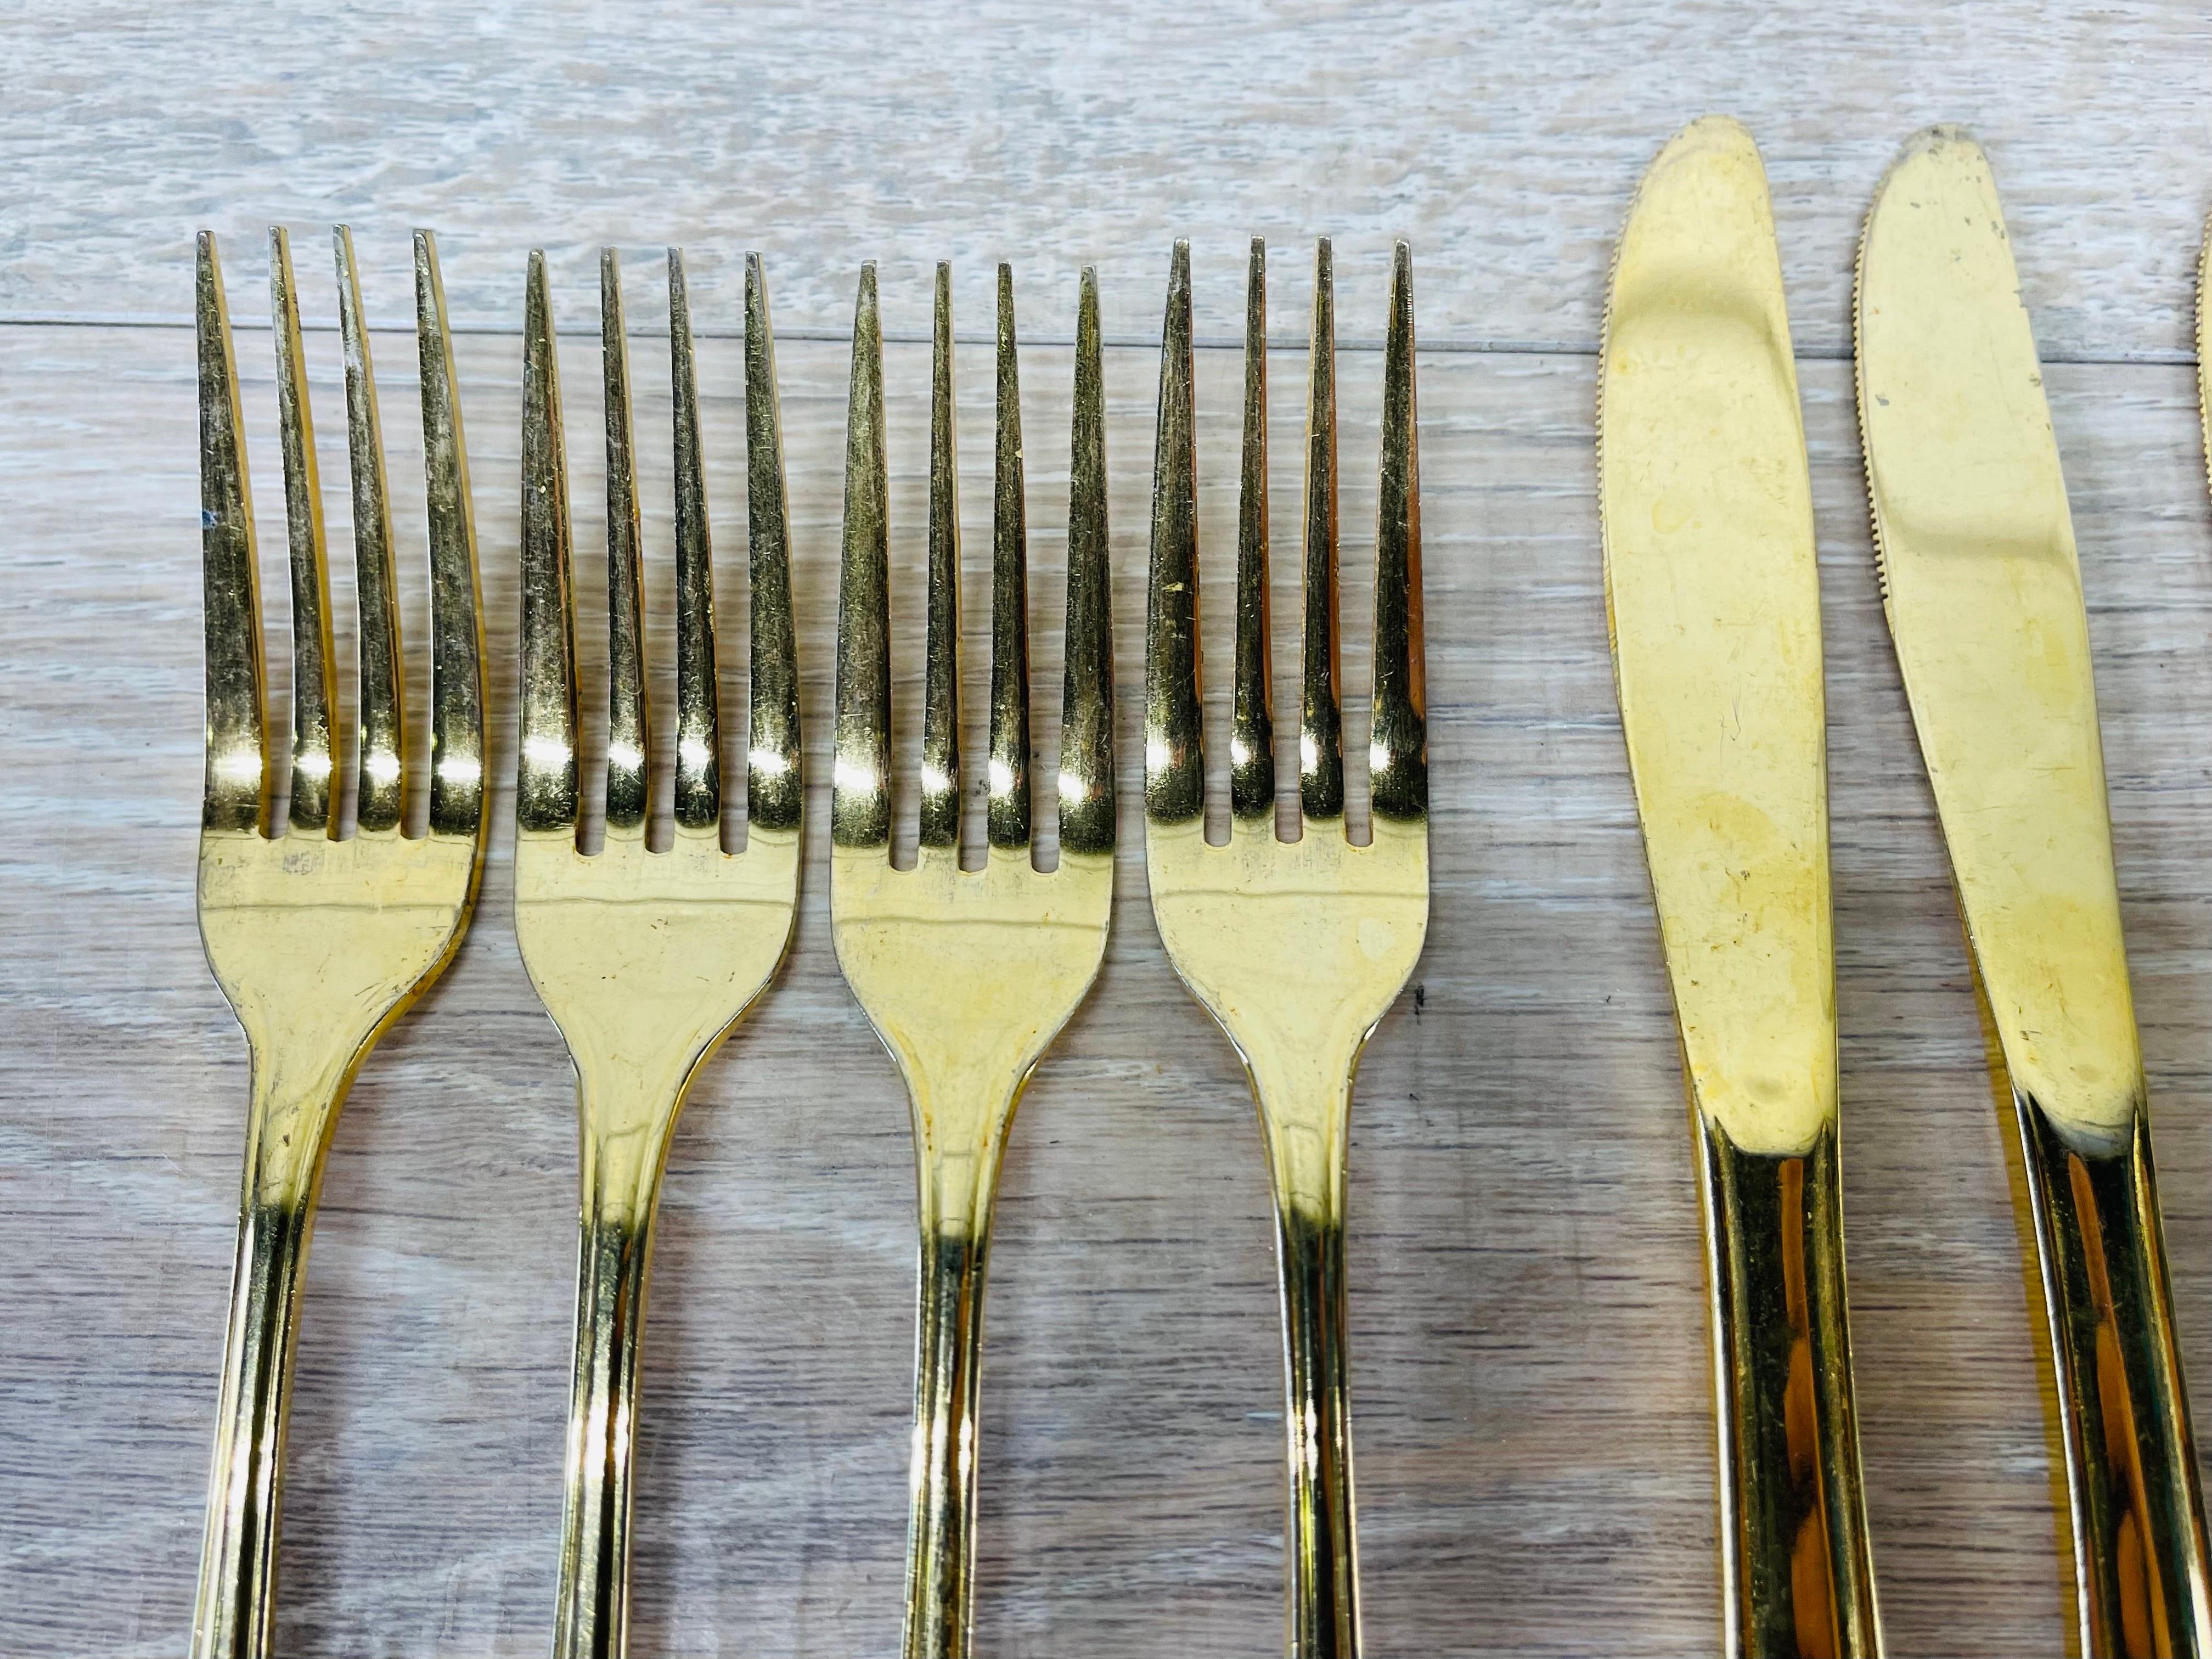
(1504, 139)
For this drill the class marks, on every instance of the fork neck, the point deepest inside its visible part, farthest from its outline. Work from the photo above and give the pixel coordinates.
(956, 1178)
(613, 1259)
(295, 1108)
(626, 1120)
(958, 1162)
(1306, 1117)
(620, 1187)
(942, 1481)
(235, 1617)
(1305, 1121)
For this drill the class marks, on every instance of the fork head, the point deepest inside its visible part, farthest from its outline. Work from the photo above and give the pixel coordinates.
(646, 959)
(1297, 948)
(968, 975)
(320, 942)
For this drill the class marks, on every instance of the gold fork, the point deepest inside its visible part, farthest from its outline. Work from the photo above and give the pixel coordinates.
(645, 959)
(319, 943)
(967, 975)
(1296, 948)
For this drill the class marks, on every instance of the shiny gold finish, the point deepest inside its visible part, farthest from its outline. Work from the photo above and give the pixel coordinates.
(1983, 595)
(967, 975)
(1714, 602)
(645, 959)
(314, 687)
(940, 712)
(1296, 948)
(319, 943)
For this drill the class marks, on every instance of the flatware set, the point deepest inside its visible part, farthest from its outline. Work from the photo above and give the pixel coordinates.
(648, 939)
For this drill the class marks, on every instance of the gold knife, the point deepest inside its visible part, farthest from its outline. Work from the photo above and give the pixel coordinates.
(1714, 600)
(2204, 343)
(1984, 596)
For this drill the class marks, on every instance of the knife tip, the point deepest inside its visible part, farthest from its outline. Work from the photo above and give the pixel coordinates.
(1944, 147)
(1940, 136)
(1709, 133)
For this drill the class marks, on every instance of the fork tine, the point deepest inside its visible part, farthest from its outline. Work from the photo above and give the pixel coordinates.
(456, 600)
(313, 691)
(382, 691)
(698, 703)
(1397, 745)
(1321, 736)
(1086, 726)
(1008, 817)
(545, 792)
(859, 794)
(940, 716)
(774, 786)
(1174, 762)
(235, 793)
(630, 730)
(1252, 734)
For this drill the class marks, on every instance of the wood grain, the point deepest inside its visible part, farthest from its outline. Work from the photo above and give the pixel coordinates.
(1530, 1377)
(1504, 139)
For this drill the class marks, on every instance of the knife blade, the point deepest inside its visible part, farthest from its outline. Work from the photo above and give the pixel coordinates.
(1713, 596)
(2204, 343)
(1983, 590)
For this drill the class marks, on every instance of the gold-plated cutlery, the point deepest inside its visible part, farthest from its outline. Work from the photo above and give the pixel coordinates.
(320, 942)
(966, 974)
(1296, 948)
(1983, 591)
(1714, 602)
(648, 951)
(645, 959)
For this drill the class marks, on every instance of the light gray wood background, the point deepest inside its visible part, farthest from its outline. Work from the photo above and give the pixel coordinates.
(1535, 1463)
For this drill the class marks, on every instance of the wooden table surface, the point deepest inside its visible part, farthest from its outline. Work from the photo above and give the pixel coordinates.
(1530, 1373)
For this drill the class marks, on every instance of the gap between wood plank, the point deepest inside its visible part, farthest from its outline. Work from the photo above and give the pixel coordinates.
(2162, 358)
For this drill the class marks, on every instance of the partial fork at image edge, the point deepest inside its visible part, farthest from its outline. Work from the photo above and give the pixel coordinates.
(1297, 949)
(319, 941)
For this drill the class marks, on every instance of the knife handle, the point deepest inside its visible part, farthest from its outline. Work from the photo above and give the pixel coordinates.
(1797, 1571)
(2131, 1478)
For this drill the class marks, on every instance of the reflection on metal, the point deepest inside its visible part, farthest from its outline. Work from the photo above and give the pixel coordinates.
(966, 974)
(645, 960)
(1296, 948)
(1984, 596)
(319, 943)
(1715, 605)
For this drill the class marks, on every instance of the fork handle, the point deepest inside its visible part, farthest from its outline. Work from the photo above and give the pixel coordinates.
(234, 1615)
(1322, 1578)
(1798, 1570)
(614, 1254)
(2138, 1510)
(940, 1570)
